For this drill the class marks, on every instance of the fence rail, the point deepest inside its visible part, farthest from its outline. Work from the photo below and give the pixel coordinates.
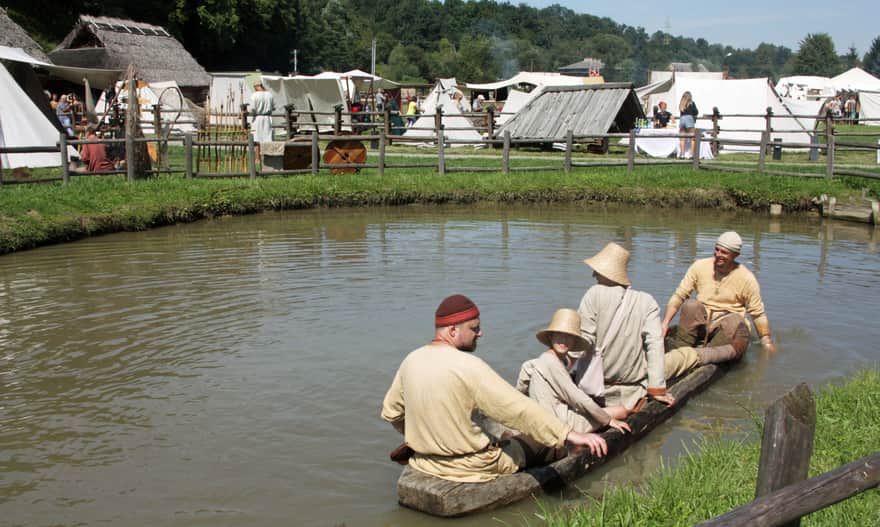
(380, 135)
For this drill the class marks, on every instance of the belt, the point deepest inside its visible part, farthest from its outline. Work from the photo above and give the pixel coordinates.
(499, 443)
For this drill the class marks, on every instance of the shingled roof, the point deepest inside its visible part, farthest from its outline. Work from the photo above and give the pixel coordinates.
(14, 36)
(114, 43)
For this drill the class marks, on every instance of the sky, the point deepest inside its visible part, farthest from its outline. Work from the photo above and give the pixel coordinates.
(743, 23)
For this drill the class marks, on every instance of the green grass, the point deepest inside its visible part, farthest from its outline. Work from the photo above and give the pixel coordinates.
(720, 474)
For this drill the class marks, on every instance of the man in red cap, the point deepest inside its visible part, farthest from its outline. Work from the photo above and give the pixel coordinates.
(440, 388)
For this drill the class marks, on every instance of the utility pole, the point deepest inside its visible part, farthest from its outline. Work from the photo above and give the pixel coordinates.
(295, 70)
(373, 60)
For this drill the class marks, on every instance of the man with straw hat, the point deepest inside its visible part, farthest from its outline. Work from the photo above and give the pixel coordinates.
(713, 327)
(440, 388)
(547, 380)
(622, 327)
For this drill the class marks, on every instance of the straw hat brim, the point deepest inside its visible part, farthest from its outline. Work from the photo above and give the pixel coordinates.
(580, 343)
(611, 262)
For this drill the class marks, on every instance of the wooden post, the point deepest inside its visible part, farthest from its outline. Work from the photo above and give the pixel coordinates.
(490, 121)
(631, 151)
(65, 162)
(569, 145)
(762, 153)
(132, 112)
(829, 145)
(386, 120)
(441, 157)
(188, 151)
(698, 139)
(291, 120)
(382, 138)
(316, 153)
(716, 129)
(787, 443)
(129, 156)
(768, 128)
(438, 124)
(337, 122)
(505, 153)
(252, 156)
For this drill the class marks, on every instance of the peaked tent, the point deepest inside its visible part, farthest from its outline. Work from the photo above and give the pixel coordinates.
(744, 96)
(856, 79)
(458, 127)
(870, 103)
(805, 87)
(23, 124)
(660, 87)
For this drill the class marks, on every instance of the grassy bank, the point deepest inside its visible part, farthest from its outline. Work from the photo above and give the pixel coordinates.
(33, 215)
(721, 474)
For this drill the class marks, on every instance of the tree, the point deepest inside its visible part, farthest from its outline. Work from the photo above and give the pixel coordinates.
(851, 59)
(816, 56)
(871, 60)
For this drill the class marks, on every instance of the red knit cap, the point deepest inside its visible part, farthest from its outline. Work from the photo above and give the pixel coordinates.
(455, 309)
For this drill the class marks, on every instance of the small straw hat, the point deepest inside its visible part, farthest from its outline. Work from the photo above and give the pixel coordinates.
(564, 321)
(611, 262)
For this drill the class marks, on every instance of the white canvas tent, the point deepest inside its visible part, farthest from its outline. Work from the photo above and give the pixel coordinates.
(870, 107)
(856, 79)
(227, 92)
(743, 96)
(458, 127)
(309, 94)
(535, 78)
(166, 94)
(661, 83)
(23, 124)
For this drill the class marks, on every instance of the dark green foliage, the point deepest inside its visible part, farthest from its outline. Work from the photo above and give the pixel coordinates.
(871, 60)
(816, 56)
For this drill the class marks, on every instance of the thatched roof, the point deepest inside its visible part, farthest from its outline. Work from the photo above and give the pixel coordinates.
(14, 36)
(114, 43)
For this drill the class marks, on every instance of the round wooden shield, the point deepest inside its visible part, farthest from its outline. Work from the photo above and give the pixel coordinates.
(344, 152)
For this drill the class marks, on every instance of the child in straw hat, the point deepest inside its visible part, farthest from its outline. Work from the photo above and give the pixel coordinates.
(547, 381)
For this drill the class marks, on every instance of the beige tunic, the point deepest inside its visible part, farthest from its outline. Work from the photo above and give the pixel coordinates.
(634, 359)
(435, 395)
(547, 381)
(736, 292)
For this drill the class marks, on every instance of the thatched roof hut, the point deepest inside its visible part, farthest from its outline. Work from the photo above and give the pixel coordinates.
(114, 43)
(14, 36)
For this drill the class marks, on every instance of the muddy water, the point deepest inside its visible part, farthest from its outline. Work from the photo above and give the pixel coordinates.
(230, 372)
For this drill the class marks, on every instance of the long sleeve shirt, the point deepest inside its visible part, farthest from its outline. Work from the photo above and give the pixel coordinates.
(547, 381)
(736, 292)
(635, 355)
(435, 394)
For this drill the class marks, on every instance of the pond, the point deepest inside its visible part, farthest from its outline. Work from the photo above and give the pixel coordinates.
(231, 371)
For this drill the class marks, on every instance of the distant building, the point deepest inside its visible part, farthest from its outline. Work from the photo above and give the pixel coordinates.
(113, 43)
(589, 67)
(14, 36)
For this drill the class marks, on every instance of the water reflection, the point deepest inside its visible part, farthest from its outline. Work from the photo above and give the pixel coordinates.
(231, 371)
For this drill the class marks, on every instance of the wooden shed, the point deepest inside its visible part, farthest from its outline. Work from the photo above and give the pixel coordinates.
(114, 43)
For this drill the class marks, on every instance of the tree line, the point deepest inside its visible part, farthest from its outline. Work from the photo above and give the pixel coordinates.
(421, 40)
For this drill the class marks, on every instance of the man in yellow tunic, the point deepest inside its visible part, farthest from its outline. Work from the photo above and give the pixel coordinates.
(441, 388)
(713, 328)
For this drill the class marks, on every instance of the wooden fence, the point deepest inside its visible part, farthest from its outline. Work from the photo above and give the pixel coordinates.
(381, 140)
(783, 494)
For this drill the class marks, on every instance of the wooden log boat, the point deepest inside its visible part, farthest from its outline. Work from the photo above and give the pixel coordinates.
(440, 497)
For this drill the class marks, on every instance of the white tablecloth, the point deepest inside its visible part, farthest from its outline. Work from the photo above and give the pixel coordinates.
(665, 146)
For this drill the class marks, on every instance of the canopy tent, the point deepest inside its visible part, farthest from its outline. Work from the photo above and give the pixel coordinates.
(309, 94)
(856, 79)
(458, 127)
(98, 78)
(870, 103)
(364, 81)
(173, 109)
(535, 78)
(23, 124)
(743, 96)
(803, 87)
(227, 93)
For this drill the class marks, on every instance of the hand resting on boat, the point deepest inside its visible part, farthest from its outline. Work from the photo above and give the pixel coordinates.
(666, 399)
(620, 426)
(595, 442)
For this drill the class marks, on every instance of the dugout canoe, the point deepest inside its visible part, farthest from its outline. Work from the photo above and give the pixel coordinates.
(440, 497)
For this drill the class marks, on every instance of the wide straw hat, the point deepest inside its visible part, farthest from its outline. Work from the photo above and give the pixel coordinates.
(611, 262)
(564, 321)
